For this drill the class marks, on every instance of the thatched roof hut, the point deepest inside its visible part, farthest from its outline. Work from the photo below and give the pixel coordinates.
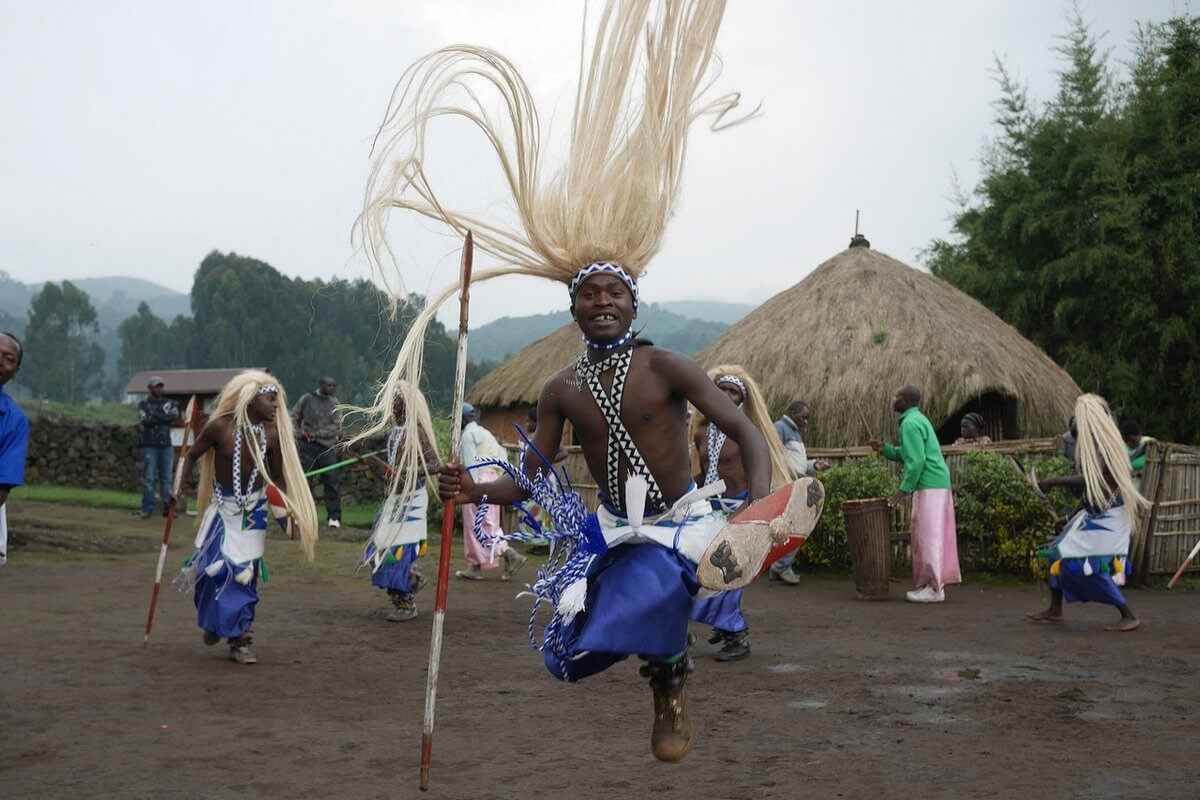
(862, 324)
(507, 392)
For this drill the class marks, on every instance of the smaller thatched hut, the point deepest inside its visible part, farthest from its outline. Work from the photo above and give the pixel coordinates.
(505, 394)
(862, 324)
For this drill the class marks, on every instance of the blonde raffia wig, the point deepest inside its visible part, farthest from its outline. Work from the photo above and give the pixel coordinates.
(234, 401)
(640, 88)
(418, 424)
(755, 407)
(1103, 458)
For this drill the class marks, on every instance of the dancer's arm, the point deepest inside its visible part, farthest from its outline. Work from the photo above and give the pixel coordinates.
(685, 376)
(454, 482)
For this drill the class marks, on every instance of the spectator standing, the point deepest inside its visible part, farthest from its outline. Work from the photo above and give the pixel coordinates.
(476, 445)
(318, 424)
(14, 433)
(971, 430)
(155, 415)
(927, 479)
(790, 428)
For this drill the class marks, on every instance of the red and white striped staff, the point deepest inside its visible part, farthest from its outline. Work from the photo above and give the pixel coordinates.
(189, 420)
(443, 579)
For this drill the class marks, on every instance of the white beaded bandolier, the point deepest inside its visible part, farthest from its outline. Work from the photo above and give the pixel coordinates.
(716, 442)
(242, 492)
(619, 441)
(393, 444)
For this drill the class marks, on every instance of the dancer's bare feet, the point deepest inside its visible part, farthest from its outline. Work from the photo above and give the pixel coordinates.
(1126, 625)
(1049, 615)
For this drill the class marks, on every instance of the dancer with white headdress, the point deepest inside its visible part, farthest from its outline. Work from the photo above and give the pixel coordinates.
(399, 533)
(1089, 560)
(623, 580)
(720, 459)
(249, 470)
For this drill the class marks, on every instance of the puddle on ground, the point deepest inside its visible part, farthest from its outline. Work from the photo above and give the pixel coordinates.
(807, 705)
(780, 669)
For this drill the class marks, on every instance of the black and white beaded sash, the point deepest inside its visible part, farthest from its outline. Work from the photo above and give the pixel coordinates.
(619, 441)
(716, 443)
(393, 444)
(258, 437)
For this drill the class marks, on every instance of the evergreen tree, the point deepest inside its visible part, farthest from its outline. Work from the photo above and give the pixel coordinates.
(1082, 232)
(62, 359)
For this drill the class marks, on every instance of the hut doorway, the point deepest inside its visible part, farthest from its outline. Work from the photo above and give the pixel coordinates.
(999, 413)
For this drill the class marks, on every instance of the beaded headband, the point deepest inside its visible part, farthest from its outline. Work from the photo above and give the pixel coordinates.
(598, 268)
(270, 388)
(735, 380)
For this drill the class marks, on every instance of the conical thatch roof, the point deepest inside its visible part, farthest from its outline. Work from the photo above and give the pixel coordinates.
(520, 378)
(862, 324)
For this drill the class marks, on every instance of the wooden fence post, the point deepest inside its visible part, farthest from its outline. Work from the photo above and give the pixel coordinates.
(1147, 555)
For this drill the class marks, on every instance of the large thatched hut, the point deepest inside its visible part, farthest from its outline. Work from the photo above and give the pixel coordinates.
(862, 324)
(506, 393)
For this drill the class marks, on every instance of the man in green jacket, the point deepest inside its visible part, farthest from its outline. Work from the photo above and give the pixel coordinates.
(933, 535)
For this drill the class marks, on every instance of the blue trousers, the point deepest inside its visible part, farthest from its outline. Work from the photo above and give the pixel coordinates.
(156, 464)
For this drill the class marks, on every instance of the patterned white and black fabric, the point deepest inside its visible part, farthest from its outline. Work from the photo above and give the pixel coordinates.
(619, 441)
(716, 441)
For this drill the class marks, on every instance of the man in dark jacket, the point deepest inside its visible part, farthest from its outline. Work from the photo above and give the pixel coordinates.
(318, 423)
(155, 415)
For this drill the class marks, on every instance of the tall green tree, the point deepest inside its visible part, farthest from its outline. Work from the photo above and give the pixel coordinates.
(245, 313)
(63, 359)
(149, 342)
(1082, 232)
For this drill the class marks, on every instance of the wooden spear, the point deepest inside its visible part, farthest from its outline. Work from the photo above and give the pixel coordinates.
(443, 579)
(188, 422)
(1187, 562)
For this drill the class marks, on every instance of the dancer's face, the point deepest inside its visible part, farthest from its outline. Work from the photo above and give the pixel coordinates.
(263, 407)
(603, 308)
(732, 392)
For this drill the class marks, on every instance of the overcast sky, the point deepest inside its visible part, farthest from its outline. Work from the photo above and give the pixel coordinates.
(139, 136)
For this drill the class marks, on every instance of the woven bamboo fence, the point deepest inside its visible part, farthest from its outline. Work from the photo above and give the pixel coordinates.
(1169, 531)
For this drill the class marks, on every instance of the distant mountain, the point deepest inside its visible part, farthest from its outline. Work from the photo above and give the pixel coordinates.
(500, 338)
(710, 310)
(114, 299)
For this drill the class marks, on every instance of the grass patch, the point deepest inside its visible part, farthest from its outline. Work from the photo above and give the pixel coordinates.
(92, 498)
(354, 516)
(112, 413)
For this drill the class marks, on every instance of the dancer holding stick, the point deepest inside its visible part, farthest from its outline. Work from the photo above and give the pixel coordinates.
(189, 422)
(443, 578)
(594, 223)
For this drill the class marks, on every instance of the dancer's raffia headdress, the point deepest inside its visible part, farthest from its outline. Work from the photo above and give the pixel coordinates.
(234, 401)
(755, 407)
(1103, 458)
(640, 89)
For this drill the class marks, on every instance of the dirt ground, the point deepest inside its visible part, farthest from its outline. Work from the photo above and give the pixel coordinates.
(839, 699)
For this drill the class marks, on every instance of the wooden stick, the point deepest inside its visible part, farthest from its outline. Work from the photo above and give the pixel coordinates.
(866, 425)
(443, 580)
(1187, 562)
(189, 419)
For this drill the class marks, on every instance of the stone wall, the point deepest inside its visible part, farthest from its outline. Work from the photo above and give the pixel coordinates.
(97, 455)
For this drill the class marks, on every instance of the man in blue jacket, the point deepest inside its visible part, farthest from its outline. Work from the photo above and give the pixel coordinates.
(14, 432)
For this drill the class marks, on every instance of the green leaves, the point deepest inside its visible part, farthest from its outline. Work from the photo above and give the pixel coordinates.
(62, 359)
(1083, 231)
